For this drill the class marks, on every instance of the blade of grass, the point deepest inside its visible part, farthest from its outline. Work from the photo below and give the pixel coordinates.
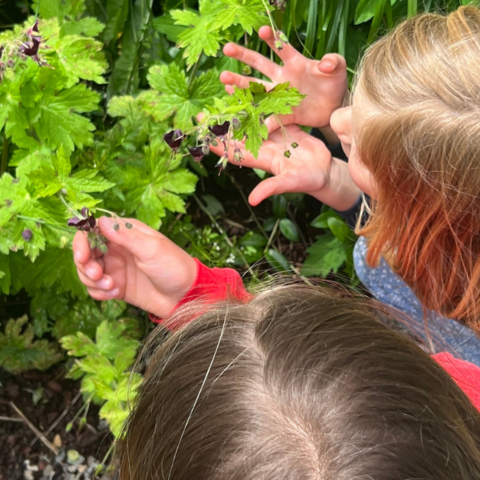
(412, 8)
(334, 29)
(377, 19)
(342, 32)
(311, 27)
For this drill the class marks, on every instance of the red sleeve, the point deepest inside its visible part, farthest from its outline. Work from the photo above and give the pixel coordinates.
(465, 374)
(212, 285)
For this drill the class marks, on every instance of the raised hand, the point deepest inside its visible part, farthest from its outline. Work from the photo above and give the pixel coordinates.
(309, 169)
(142, 267)
(324, 82)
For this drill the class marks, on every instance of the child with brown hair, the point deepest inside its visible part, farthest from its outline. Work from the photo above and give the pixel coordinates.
(299, 383)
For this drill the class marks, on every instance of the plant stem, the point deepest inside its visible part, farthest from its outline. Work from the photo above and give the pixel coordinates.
(36, 220)
(192, 74)
(274, 231)
(250, 209)
(77, 214)
(3, 168)
(225, 236)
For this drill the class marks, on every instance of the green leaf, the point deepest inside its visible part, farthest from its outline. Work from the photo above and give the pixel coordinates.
(250, 14)
(278, 261)
(199, 37)
(289, 230)
(110, 342)
(341, 230)
(213, 205)
(166, 25)
(366, 9)
(326, 255)
(117, 13)
(176, 98)
(251, 106)
(19, 352)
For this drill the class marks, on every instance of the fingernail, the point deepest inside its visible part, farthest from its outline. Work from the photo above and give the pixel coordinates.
(328, 64)
(107, 223)
(104, 284)
(90, 273)
(113, 293)
(78, 254)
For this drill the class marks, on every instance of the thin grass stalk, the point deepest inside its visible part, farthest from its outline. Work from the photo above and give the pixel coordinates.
(311, 27)
(412, 8)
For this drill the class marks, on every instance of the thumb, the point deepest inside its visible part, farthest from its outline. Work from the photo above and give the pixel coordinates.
(332, 63)
(143, 242)
(269, 187)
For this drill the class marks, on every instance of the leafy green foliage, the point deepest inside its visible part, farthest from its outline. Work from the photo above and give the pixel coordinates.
(251, 106)
(20, 352)
(103, 365)
(207, 29)
(176, 98)
(331, 251)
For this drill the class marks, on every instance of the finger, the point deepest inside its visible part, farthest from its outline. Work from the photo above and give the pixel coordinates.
(102, 295)
(143, 242)
(332, 63)
(92, 270)
(286, 53)
(269, 187)
(81, 248)
(253, 59)
(105, 283)
(241, 81)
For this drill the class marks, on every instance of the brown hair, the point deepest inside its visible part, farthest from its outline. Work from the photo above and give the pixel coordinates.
(300, 383)
(423, 150)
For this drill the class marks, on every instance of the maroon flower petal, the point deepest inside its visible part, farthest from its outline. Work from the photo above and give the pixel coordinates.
(196, 153)
(220, 130)
(174, 139)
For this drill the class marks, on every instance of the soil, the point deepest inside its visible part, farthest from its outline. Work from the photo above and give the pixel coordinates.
(44, 397)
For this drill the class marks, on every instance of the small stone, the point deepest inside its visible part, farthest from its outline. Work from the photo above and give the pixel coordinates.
(48, 470)
(57, 441)
(90, 460)
(82, 468)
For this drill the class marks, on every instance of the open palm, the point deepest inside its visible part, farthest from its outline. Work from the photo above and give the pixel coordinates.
(324, 82)
(307, 170)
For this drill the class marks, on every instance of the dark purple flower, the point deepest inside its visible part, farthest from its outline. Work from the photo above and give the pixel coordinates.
(30, 49)
(27, 234)
(196, 153)
(85, 224)
(220, 130)
(174, 139)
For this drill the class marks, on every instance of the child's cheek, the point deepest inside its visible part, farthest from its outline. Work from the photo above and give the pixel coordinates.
(360, 174)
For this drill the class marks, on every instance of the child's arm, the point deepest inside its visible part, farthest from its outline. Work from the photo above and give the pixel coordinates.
(324, 82)
(147, 270)
(309, 169)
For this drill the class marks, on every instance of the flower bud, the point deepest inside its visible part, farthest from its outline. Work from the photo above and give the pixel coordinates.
(27, 234)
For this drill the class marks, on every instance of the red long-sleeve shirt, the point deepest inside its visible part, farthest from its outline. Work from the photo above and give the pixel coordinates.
(216, 284)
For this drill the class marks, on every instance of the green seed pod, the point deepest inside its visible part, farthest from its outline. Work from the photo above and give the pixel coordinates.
(294, 145)
(129, 225)
(287, 153)
(247, 70)
(236, 123)
(116, 227)
(278, 44)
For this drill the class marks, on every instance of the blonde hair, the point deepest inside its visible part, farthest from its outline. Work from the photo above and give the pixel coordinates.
(423, 150)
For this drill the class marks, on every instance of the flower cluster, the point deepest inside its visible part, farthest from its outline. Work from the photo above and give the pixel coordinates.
(28, 47)
(86, 223)
(217, 132)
